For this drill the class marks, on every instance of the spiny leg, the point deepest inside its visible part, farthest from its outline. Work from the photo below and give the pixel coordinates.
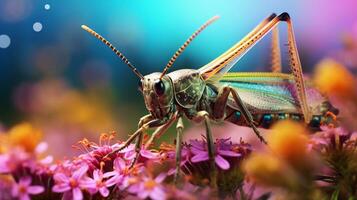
(151, 124)
(179, 129)
(221, 104)
(203, 115)
(275, 50)
(138, 143)
(161, 130)
(247, 37)
(296, 68)
(247, 115)
(230, 57)
(139, 138)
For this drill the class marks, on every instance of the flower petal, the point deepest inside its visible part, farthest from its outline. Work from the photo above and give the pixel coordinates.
(157, 194)
(60, 177)
(228, 153)
(35, 189)
(25, 181)
(47, 160)
(143, 194)
(96, 174)
(88, 183)
(15, 190)
(104, 191)
(197, 144)
(42, 147)
(200, 157)
(60, 188)
(109, 174)
(24, 197)
(77, 194)
(221, 162)
(80, 172)
(136, 188)
(119, 164)
(113, 180)
(197, 151)
(148, 154)
(161, 177)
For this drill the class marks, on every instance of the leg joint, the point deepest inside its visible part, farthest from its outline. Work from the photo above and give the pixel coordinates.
(284, 16)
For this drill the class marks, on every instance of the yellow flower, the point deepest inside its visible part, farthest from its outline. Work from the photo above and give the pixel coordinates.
(333, 78)
(24, 135)
(289, 141)
(267, 169)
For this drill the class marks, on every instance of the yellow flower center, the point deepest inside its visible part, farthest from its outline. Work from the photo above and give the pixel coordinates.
(73, 182)
(100, 183)
(150, 184)
(22, 189)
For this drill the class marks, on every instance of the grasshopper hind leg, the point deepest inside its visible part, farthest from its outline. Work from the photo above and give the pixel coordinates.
(220, 107)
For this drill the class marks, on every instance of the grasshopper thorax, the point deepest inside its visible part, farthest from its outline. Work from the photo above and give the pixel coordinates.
(158, 95)
(188, 87)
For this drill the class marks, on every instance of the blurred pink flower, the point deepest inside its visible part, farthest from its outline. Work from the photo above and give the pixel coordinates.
(149, 187)
(23, 189)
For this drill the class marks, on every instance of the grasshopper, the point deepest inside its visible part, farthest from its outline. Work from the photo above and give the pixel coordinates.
(254, 99)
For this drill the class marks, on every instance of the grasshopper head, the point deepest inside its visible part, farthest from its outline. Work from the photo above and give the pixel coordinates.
(158, 95)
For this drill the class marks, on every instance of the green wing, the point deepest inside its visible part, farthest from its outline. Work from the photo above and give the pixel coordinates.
(266, 92)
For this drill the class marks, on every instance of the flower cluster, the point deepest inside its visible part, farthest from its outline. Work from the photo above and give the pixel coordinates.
(106, 170)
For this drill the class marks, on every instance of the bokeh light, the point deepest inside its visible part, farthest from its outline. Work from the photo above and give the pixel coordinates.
(37, 26)
(47, 6)
(5, 41)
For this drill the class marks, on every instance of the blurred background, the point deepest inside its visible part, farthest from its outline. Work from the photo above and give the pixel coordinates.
(61, 79)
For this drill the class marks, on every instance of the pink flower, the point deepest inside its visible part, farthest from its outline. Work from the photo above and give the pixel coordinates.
(72, 184)
(222, 149)
(13, 159)
(5, 164)
(23, 189)
(98, 183)
(149, 187)
(130, 153)
(122, 173)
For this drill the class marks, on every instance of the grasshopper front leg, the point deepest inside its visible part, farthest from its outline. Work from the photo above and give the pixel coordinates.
(221, 104)
(151, 124)
(161, 130)
(139, 138)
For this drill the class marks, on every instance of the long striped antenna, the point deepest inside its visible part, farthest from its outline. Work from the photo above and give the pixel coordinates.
(188, 41)
(117, 52)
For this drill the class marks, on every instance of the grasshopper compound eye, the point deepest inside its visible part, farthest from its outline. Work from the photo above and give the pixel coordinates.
(159, 88)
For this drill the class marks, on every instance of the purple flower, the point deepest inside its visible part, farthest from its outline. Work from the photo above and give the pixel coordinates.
(222, 149)
(72, 184)
(185, 158)
(98, 183)
(23, 189)
(149, 187)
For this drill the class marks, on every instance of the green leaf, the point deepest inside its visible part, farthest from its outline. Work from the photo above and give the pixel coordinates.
(335, 194)
(351, 198)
